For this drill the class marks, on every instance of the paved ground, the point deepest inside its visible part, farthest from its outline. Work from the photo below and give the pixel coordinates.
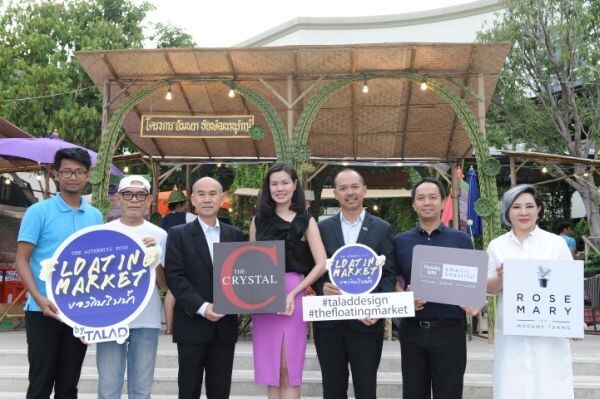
(588, 348)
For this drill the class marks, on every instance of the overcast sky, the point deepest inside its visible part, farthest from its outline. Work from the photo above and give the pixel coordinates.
(222, 23)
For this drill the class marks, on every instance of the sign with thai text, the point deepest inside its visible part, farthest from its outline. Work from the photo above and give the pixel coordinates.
(207, 126)
(355, 269)
(452, 276)
(248, 277)
(100, 280)
(543, 298)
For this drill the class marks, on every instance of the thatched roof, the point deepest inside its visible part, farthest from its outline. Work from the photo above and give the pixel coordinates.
(395, 120)
(8, 130)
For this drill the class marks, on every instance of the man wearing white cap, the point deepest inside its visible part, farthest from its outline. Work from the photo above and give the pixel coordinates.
(138, 353)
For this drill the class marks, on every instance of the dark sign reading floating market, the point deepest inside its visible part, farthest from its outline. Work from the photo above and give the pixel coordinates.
(207, 126)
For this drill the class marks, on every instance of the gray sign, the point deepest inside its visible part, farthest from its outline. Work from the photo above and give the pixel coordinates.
(449, 275)
(248, 277)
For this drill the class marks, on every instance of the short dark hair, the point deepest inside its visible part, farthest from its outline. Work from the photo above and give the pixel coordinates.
(362, 180)
(561, 225)
(75, 154)
(173, 205)
(439, 185)
(266, 203)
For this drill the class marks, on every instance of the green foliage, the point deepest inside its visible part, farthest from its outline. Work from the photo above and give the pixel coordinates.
(244, 208)
(397, 211)
(37, 48)
(592, 264)
(169, 36)
(581, 229)
(548, 93)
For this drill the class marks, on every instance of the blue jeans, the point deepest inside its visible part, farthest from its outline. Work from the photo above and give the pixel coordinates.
(138, 353)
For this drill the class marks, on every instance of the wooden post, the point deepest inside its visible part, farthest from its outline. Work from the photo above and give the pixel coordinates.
(454, 195)
(188, 186)
(47, 171)
(155, 184)
(105, 107)
(290, 109)
(513, 172)
(481, 103)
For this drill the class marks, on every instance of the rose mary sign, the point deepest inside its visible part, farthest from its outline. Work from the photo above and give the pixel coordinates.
(543, 298)
(248, 277)
(100, 280)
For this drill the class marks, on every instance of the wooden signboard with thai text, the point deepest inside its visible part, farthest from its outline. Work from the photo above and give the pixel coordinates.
(205, 126)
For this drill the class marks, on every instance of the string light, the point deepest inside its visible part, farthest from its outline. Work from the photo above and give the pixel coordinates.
(375, 208)
(586, 173)
(64, 93)
(7, 181)
(365, 88)
(544, 170)
(169, 95)
(424, 86)
(126, 169)
(231, 93)
(38, 176)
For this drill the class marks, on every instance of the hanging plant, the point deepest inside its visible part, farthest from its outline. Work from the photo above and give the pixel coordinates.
(484, 207)
(257, 132)
(301, 153)
(95, 175)
(491, 167)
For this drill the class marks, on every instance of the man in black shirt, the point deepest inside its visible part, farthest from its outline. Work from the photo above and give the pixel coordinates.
(433, 343)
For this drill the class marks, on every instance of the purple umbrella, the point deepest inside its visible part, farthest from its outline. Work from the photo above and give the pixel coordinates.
(42, 150)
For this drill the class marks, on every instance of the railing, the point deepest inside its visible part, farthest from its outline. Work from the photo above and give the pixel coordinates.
(591, 244)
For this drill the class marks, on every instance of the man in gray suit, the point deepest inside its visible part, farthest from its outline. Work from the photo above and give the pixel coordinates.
(358, 342)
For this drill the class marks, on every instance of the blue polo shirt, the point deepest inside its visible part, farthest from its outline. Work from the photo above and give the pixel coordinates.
(403, 253)
(46, 225)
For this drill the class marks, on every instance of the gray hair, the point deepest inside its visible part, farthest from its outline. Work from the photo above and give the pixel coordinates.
(511, 195)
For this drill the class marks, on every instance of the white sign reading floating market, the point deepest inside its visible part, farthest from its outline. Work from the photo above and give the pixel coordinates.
(543, 298)
(100, 280)
(205, 126)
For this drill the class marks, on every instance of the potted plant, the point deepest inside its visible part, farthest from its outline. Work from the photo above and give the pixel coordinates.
(543, 274)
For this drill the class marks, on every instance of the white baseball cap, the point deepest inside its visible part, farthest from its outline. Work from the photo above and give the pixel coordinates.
(134, 181)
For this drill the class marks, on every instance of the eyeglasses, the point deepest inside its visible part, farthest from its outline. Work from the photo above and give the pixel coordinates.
(67, 173)
(128, 195)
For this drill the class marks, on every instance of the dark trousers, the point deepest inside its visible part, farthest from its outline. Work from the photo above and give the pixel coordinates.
(55, 357)
(341, 345)
(433, 359)
(214, 359)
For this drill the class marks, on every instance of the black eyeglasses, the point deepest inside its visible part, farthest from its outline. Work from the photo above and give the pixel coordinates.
(128, 195)
(67, 173)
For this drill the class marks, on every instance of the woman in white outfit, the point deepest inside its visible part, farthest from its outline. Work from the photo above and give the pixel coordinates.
(527, 367)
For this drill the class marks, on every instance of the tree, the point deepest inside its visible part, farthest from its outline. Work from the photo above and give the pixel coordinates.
(169, 36)
(548, 95)
(42, 87)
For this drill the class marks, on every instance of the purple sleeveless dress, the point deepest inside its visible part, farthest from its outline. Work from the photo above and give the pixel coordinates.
(271, 332)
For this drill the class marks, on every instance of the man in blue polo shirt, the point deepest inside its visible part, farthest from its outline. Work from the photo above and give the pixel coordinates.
(433, 343)
(55, 355)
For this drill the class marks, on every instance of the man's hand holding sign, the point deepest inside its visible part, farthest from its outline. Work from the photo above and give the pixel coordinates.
(354, 271)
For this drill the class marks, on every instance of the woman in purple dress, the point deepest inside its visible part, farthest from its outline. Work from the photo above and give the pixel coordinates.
(279, 340)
